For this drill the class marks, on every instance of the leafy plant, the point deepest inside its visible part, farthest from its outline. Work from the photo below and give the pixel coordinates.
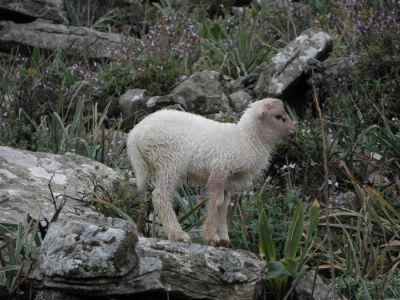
(389, 136)
(118, 78)
(94, 14)
(281, 272)
(236, 51)
(159, 76)
(244, 214)
(321, 6)
(167, 8)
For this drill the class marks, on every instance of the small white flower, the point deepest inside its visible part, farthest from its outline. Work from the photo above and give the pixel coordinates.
(333, 182)
(376, 156)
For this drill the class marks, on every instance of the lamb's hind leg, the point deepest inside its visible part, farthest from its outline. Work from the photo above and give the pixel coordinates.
(222, 221)
(165, 187)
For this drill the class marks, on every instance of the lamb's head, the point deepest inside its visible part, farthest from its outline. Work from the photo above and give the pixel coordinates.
(269, 121)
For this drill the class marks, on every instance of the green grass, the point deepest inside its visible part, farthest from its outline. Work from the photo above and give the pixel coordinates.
(17, 245)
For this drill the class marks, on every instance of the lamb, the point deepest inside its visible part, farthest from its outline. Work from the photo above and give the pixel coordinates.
(175, 146)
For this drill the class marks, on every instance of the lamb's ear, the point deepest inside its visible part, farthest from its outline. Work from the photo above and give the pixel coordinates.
(264, 113)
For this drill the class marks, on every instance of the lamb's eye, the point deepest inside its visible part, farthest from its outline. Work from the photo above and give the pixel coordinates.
(280, 118)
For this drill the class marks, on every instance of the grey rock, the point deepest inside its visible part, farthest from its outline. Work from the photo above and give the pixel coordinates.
(228, 83)
(378, 178)
(311, 287)
(288, 66)
(345, 200)
(136, 103)
(249, 80)
(371, 170)
(175, 107)
(182, 78)
(25, 178)
(90, 246)
(203, 93)
(332, 77)
(336, 70)
(52, 10)
(133, 101)
(84, 41)
(168, 101)
(75, 260)
(240, 100)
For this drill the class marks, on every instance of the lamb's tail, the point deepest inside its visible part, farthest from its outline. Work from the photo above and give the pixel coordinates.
(139, 165)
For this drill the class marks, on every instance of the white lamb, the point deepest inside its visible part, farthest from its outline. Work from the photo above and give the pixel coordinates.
(175, 146)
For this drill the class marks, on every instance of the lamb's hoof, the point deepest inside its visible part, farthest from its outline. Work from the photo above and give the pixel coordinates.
(212, 242)
(224, 243)
(182, 237)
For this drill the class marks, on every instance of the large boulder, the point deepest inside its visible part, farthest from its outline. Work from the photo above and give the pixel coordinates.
(286, 71)
(203, 93)
(94, 256)
(20, 10)
(30, 180)
(84, 41)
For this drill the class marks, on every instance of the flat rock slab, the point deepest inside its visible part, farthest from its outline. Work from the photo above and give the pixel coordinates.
(84, 41)
(52, 10)
(25, 176)
(197, 271)
(82, 257)
(289, 64)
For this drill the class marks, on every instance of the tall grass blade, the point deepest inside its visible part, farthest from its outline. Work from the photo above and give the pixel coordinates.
(357, 265)
(266, 245)
(314, 211)
(295, 233)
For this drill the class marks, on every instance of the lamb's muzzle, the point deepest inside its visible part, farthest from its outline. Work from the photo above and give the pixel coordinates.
(174, 146)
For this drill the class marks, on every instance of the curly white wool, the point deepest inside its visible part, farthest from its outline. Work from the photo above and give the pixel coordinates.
(175, 146)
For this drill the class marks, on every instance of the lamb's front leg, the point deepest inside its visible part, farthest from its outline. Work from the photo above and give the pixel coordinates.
(216, 199)
(222, 221)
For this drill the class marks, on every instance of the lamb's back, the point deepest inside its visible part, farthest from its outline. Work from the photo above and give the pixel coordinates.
(172, 125)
